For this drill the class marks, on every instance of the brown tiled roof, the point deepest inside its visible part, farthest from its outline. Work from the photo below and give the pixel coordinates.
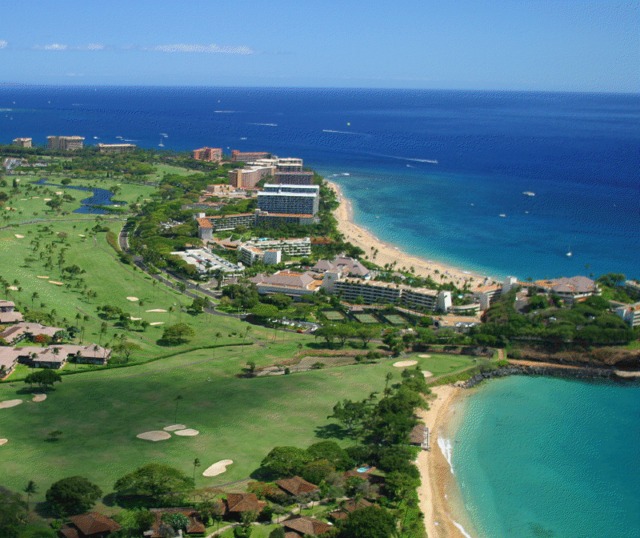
(307, 526)
(94, 523)
(243, 502)
(204, 223)
(195, 526)
(10, 317)
(348, 507)
(69, 532)
(296, 486)
(416, 437)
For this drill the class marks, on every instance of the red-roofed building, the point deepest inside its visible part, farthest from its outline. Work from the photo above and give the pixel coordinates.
(297, 486)
(89, 525)
(237, 504)
(306, 526)
(208, 154)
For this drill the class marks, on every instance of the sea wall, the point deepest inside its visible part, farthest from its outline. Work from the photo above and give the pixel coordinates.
(551, 371)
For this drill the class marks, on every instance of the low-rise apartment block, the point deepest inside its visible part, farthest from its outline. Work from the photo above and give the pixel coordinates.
(8, 312)
(249, 255)
(289, 283)
(630, 314)
(217, 223)
(291, 247)
(206, 261)
(116, 148)
(65, 143)
(206, 154)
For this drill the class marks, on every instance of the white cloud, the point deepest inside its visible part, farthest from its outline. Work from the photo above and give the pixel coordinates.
(63, 47)
(207, 49)
(95, 46)
(55, 46)
(3, 44)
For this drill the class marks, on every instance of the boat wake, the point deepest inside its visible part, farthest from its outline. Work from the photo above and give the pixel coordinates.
(446, 447)
(332, 131)
(265, 124)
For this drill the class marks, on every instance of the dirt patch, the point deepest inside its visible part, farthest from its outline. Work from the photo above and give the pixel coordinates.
(132, 299)
(188, 432)
(39, 398)
(404, 364)
(154, 435)
(217, 468)
(9, 403)
(174, 427)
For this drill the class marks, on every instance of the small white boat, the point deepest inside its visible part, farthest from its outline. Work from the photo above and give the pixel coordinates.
(569, 254)
(502, 215)
(529, 193)
(161, 144)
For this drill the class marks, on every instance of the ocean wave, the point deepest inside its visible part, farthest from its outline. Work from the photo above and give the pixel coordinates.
(332, 131)
(446, 446)
(264, 124)
(461, 529)
(224, 111)
(6, 109)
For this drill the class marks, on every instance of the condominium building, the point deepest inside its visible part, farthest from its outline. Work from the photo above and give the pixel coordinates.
(248, 156)
(249, 176)
(291, 247)
(292, 199)
(249, 255)
(116, 148)
(366, 291)
(65, 143)
(23, 142)
(485, 295)
(289, 164)
(278, 219)
(294, 178)
(208, 154)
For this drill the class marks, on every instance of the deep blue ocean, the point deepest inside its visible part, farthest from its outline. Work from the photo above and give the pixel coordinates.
(431, 171)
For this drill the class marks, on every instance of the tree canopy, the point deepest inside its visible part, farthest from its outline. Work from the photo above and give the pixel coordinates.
(73, 495)
(155, 481)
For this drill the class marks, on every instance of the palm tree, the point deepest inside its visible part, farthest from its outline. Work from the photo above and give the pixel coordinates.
(196, 463)
(30, 489)
(177, 400)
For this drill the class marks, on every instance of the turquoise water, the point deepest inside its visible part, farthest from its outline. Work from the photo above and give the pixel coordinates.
(542, 457)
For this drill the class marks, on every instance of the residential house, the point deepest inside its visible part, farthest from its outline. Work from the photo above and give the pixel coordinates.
(569, 290)
(297, 486)
(8, 361)
(8, 313)
(630, 314)
(195, 525)
(306, 526)
(89, 525)
(348, 507)
(237, 504)
(26, 329)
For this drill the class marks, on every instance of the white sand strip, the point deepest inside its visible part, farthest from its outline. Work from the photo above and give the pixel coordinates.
(9, 403)
(189, 432)
(13, 288)
(154, 323)
(424, 356)
(134, 319)
(132, 299)
(56, 283)
(43, 277)
(174, 427)
(157, 310)
(18, 236)
(217, 468)
(154, 435)
(403, 364)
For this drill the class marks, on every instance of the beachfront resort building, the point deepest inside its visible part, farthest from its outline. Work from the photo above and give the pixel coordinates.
(65, 143)
(304, 177)
(249, 255)
(249, 176)
(212, 155)
(570, 290)
(218, 223)
(248, 156)
(289, 283)
(289, 199)
(23, 142)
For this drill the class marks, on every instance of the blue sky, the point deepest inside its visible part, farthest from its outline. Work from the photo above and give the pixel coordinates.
(463, 44)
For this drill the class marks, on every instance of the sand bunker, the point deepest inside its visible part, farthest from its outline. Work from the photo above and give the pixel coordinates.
(157, 323)
(424, 356)
(402, 364)
(47, 199)
(59, 193)
(189, 432)
(39, 398)
(134, 319)
(45, 277)
(427, 373)
(5, 441)
(174, 427)
(132, 299)
(13, 288)
(56, 283)
(217, 468)
(18, 236)
(9, 403)
(154, 435)
(157, 310)
(81, 235)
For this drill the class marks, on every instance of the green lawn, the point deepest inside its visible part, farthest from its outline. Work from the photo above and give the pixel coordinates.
(100, 413)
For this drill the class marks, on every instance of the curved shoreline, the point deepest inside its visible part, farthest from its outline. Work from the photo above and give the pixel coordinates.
(387, 253)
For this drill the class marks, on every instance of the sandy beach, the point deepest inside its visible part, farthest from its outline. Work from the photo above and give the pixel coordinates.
(435, 473)
(389, 254)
